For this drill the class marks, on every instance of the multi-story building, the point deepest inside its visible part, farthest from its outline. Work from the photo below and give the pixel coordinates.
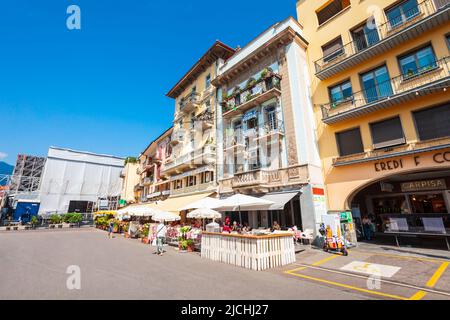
(266, 130)
(189, 170)
(130, 179)
(379, 85)
(152, 185)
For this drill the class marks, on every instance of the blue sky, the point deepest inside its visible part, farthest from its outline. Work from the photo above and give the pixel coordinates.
(102, 88)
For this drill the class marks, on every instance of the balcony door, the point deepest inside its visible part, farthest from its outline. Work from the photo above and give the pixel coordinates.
(364, 37)
(402, 12)
(376, 84)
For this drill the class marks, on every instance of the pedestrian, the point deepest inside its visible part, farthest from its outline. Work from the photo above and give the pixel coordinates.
(367, 228)
(161, 231)
(276, 226)
(110, 229)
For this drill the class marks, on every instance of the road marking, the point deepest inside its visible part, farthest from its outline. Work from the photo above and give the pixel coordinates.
(318, 263)
(437, 275)
(372, 269)
(403, 257)
(387, 295)
(417, 296)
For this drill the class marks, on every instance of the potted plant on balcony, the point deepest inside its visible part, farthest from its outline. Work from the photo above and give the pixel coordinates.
(250, 83)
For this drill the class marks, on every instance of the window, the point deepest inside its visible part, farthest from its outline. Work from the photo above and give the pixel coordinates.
(331, 9)
(447, 37)
(178, 184)
(208, 106)
(191, 181)
(349, 142)
(332, 50)
(401, 13)
(433, 122)
(208, 81)
(417, 62)
(271, 118)
(387, 133)
(365, 36)
(376, 84)
(341, 92)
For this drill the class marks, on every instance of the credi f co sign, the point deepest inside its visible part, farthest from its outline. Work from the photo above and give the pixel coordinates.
(391, 165)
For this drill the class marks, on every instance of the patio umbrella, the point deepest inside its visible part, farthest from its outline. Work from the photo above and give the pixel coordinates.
(204, 213)
(138, 211)
(242, 202)
(163, 216)
(207, 202)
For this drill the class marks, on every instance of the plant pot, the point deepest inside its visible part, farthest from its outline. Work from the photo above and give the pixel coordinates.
(60, 226)
(8, 228)
(15, 228)
(145, 240)
(52, 226)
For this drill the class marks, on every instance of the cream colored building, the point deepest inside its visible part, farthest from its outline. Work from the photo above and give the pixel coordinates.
(266, 130)
(130, 179)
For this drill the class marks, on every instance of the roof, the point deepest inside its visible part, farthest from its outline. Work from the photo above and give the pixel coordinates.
(281, 33)
(156, 140)
(217, 50)
(86, 153)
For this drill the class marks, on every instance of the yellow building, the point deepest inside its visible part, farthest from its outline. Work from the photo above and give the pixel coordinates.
(379, 85)
(130, 179)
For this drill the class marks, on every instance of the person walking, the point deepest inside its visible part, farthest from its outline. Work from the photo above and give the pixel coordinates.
(110, 229)
(161, 231)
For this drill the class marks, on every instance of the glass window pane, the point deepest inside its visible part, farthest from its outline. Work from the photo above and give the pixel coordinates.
(426, 58)
(346, 90)
(409, 66)
(410, 9)
(336, 94)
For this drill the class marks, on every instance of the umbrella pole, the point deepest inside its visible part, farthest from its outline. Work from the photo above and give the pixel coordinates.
(240, 215)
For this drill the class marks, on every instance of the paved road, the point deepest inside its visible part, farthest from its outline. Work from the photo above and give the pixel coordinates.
(33, 265)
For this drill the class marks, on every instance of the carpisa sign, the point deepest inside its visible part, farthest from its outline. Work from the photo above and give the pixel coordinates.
(437, 184)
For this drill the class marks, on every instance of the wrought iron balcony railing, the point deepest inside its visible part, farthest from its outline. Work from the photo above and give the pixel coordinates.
(375, 35)
(190, 102)
(255, 92)
(428, 79)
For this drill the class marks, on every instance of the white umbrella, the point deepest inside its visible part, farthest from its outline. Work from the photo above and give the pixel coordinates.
(138, 211)
(163, 216)
(204, 213)
(240, 202)
(207, 202)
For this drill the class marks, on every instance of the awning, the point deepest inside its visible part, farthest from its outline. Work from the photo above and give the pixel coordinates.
(175, 205)
(280, 200)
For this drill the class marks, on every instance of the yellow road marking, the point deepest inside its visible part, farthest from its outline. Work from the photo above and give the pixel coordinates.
(403, 257)
(387, 295)
(418, 295)
(318, 263)
(437, 275)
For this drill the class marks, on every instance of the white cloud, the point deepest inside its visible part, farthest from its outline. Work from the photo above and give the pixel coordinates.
(3, 155)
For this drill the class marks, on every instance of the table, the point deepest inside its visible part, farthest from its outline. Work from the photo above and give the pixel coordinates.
(249, 251)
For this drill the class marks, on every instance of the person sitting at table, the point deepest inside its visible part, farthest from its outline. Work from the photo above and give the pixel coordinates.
(235, 227)
(276, 226)
(226, 226)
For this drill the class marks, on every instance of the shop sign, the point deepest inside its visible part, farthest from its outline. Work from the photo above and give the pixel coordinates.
(436, 184)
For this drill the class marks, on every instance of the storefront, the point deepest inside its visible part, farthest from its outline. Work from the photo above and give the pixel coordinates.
(409, 193)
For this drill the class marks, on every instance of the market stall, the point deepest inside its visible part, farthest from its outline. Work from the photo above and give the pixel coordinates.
(256, 252)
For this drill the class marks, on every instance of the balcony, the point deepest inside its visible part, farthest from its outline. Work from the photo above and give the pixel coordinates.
(207, 119)
(190, 102)
(384, 37)
(177, 137)
(255, 93)
(189, 160)
(266, 179)
(199, 188)
(397, 90)
(274, 130)
(391, 152)
(154, 195)
(148, 180)
(139, 187)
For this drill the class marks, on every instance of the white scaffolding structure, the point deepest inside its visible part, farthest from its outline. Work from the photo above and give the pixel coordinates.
(71, 176)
